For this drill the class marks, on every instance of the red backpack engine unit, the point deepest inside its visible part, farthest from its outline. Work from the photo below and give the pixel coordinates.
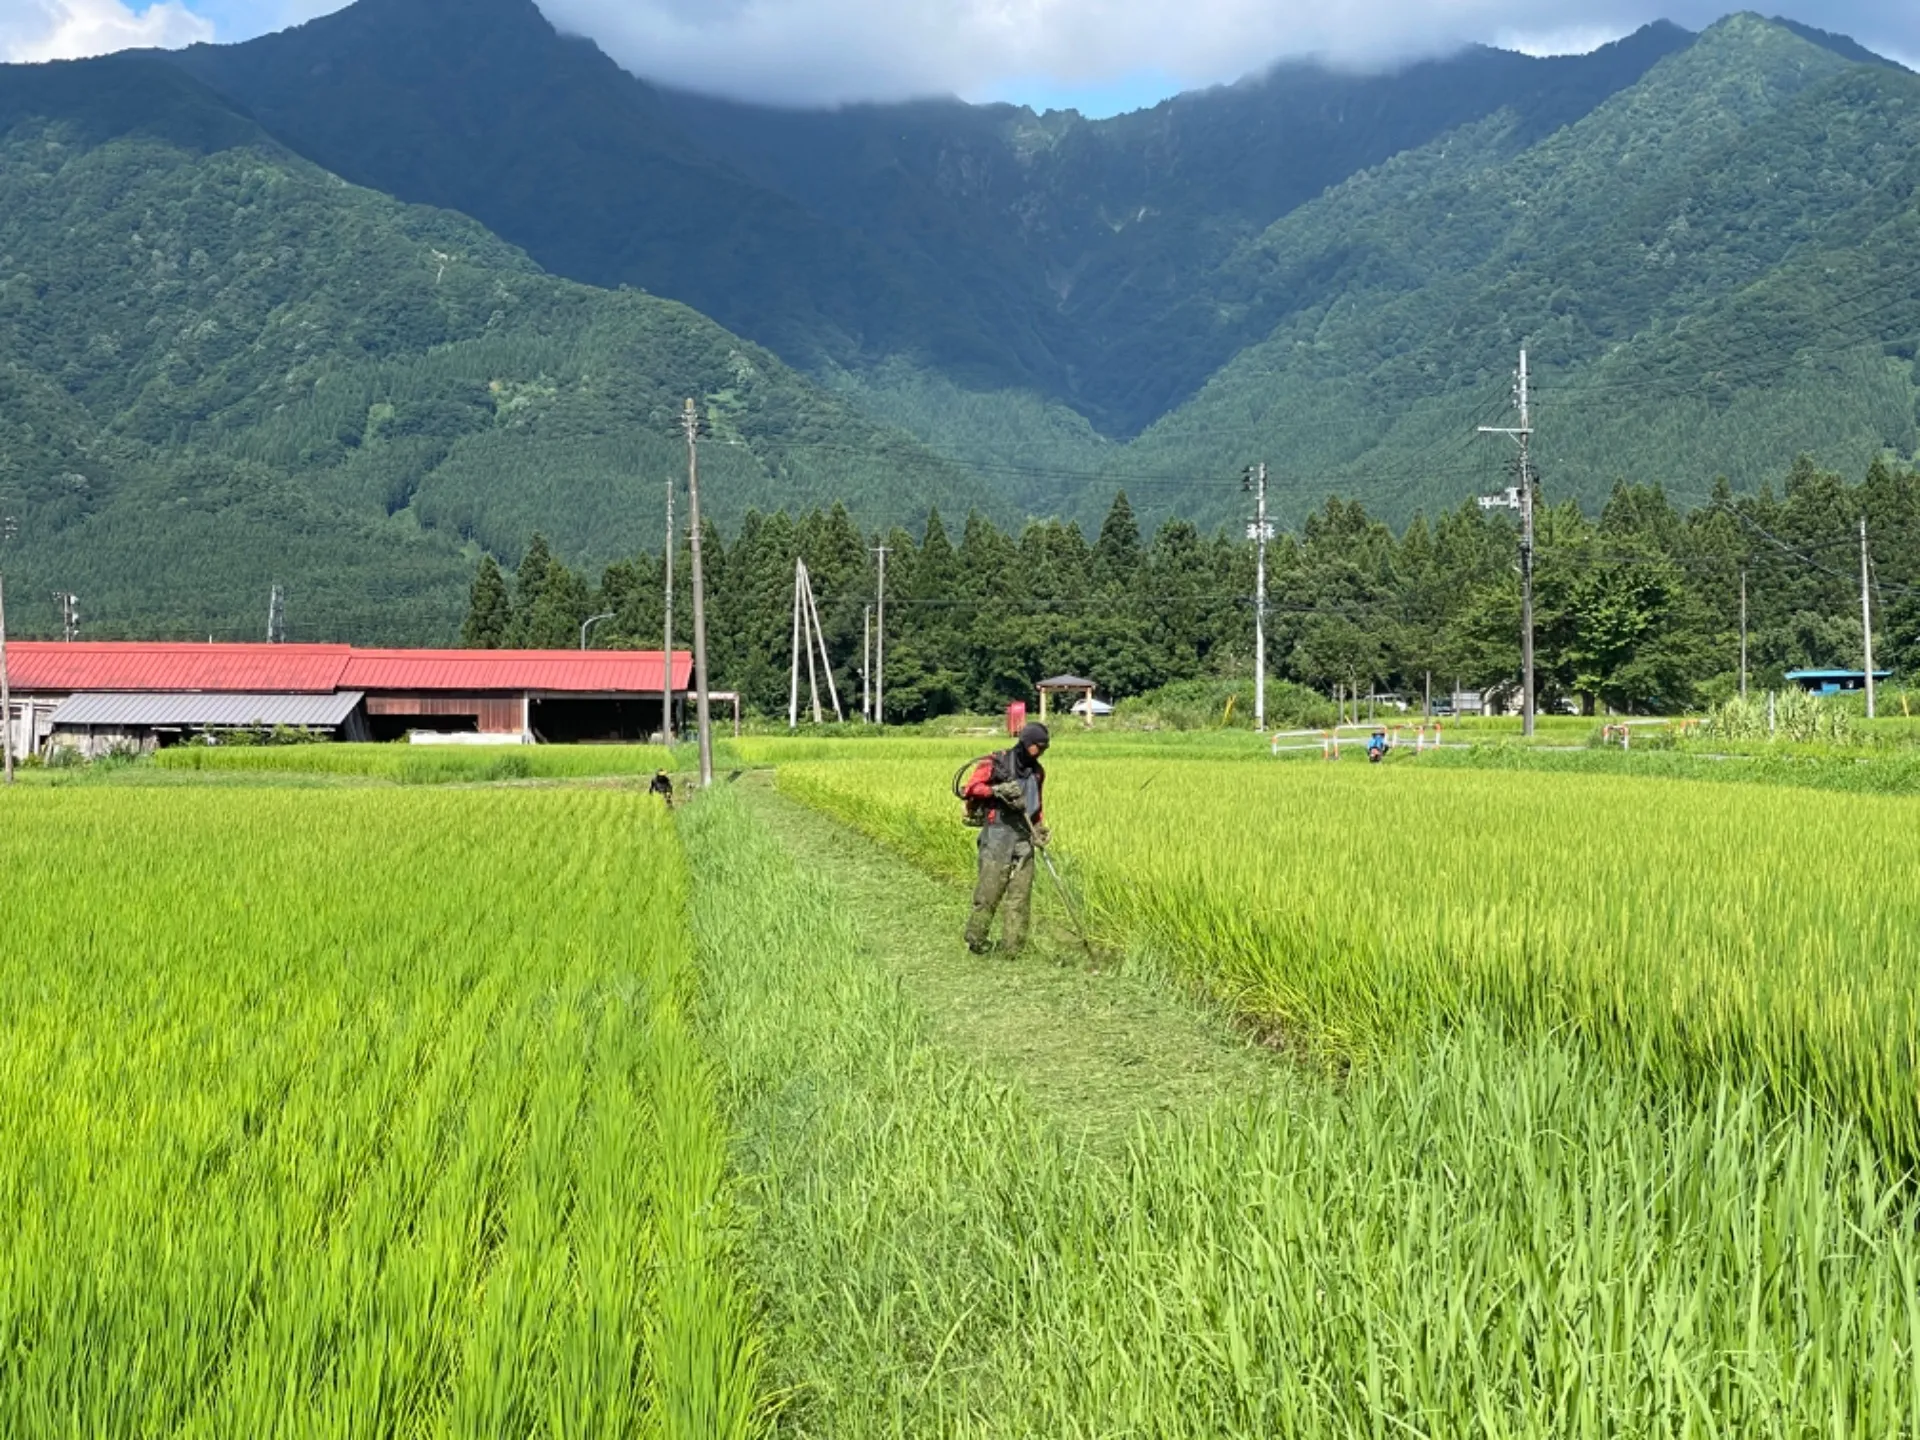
(979, 810)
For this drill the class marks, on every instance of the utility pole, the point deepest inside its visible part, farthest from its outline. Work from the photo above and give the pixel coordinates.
(807, 637)
(690, 423)
(1743, 632)
(819, 639)
(1260, 532)
(793, 668)
(666, 674)
(1521, 499)
(880, 644)
(6, 696)
(803, 640)
(1866, 614)
(69, 604)
(276, 618)
(866, 666)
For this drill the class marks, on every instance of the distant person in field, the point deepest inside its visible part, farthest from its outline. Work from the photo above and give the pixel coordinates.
(1011, 785)
(662, 786)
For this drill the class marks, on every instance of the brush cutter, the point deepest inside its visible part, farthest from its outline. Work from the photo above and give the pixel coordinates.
(1066, 895)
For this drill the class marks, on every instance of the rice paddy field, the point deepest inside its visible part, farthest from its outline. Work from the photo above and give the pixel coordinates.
(1686, 929)
(1525, 1101)
(356, 1113)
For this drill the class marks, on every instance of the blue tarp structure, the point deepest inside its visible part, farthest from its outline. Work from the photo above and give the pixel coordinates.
(1834, 682)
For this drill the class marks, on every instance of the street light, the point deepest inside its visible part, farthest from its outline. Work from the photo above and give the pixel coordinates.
(589, 623)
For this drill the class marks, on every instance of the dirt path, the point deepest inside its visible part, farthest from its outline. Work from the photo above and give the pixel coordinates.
(1098, 1048)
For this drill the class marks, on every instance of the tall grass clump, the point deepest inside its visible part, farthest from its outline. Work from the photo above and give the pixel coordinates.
(1687, 930)
(1470, 1237)
(357, 1112)
(1789, 715)
(1214, 704)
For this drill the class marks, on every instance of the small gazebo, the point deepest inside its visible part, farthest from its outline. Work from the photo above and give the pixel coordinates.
(1066, 685)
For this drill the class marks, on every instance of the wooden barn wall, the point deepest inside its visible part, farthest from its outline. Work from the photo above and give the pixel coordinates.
(496, 715)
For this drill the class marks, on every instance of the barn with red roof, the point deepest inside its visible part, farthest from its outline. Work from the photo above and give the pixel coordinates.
(99, 694)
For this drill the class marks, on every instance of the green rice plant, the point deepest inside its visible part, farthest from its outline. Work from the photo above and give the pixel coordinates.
(1070, 740)
(1470, 1237)
(1880, 772)
(355, 1112)
(1692, 931)
(435, 764)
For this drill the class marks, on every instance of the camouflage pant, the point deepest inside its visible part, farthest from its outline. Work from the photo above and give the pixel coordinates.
(1006, 872)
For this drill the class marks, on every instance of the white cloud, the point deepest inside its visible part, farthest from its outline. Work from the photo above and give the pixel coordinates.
(836, 50)
(1576, 40)
(68, 29)
(1054, 51)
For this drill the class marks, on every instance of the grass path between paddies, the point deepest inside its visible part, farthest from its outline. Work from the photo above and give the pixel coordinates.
(1095, 1048)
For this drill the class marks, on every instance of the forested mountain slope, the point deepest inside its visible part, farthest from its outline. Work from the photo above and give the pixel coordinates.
(1702, 240)
(222, 367)
(989, 245)
(1714, 271)
(482, 107)
(1122, 221)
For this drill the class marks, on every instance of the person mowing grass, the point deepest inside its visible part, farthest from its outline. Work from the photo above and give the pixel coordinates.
(1005, 796)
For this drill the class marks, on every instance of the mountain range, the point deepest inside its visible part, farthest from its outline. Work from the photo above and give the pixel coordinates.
(348, 303)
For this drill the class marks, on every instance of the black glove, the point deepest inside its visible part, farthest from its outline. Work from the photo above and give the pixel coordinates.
(1010, 792)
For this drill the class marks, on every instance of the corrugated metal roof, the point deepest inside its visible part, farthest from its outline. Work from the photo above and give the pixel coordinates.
(195, 708)
(93, 666)
(466, 671)
(104, 665)
(1066, 682)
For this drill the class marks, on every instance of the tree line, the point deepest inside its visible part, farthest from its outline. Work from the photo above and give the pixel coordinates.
(1637, 607)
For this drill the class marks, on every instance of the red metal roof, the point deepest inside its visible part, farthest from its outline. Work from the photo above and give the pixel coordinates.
(318, 669)
(466, 671)
(101, 665)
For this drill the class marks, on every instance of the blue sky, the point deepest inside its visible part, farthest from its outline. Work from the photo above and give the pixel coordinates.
(1101, 56)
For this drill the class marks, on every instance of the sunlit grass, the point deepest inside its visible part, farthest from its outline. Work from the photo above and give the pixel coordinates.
(356, 1112)
(1755, 932)
(1467, 1237)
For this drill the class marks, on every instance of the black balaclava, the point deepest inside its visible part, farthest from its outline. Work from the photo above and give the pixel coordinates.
(1032, 733)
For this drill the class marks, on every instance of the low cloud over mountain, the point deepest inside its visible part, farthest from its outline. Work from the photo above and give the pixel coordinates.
(825, 51)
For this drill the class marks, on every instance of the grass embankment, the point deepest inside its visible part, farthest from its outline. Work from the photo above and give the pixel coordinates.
(1678, 929)
(357, 1112)
(1465, 1238)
